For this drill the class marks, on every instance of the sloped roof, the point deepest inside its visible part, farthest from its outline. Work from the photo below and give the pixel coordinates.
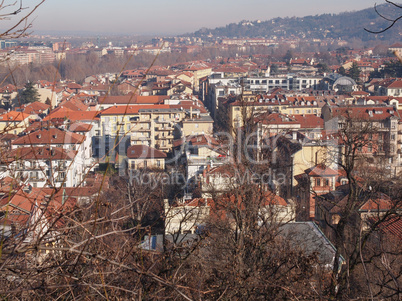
(13, 116)
(364, 112)
(132, 99)
(49, 136)
(41, 153)
(132, 109)
(144, 152)
(321, 170)
(66, 113)
(35, 108)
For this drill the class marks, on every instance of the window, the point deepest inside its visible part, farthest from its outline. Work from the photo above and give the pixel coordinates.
(370, 148)
(317, 182)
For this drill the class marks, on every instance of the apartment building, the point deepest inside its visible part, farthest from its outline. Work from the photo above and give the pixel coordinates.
(150, 125)
(44, 166)
(384, 138)
(252, 105)
(290, 82)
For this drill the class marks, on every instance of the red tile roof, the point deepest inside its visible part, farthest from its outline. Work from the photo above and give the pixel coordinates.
(144, 152)
(13, 116)
(65, 113)
(132, 109)
(321, 170)
(35, 108)
(41, 153)
(132, 99)
(49, 136)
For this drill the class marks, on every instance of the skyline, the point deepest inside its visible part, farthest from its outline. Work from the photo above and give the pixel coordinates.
(174, 17)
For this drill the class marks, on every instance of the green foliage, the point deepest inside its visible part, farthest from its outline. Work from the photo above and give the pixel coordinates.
(274, 68)
(323, 68)
(29, 94)
(288, 56)
(354, 72)
(342, 71)
(392, 69)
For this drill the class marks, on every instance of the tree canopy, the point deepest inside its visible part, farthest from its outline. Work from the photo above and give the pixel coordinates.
(29, 94)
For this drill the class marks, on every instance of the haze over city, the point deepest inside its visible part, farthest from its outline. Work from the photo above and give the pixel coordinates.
(200, 150)
(173, 17)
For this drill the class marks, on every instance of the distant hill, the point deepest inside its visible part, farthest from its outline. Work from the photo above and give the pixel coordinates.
(346, 26)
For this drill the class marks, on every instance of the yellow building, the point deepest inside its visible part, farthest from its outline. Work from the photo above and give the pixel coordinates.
(14, 122)
(199, 71)
(252, 106)
(151, 125)
(200, 125)
(142, 156)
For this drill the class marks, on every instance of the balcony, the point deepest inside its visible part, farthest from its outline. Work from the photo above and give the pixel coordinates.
(59, 179)
(37, 179)
(137, 138)
(164, 127)
(34, 167)
(162, 147)
(164, 137)
(162, 120)
(142, 129)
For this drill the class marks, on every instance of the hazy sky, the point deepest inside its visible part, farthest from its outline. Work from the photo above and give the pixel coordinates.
(174, 16)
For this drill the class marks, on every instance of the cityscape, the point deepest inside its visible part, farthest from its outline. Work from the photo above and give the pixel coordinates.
(258, 160)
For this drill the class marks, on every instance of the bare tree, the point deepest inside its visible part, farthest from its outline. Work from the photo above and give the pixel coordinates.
(355, 234)
(392, 21)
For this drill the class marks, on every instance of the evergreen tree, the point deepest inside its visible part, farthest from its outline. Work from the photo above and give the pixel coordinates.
(288, 56)
(29, 94)
(323, 68)
(354, 72)
(392, 68)
(48, 101)
(342, 71)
